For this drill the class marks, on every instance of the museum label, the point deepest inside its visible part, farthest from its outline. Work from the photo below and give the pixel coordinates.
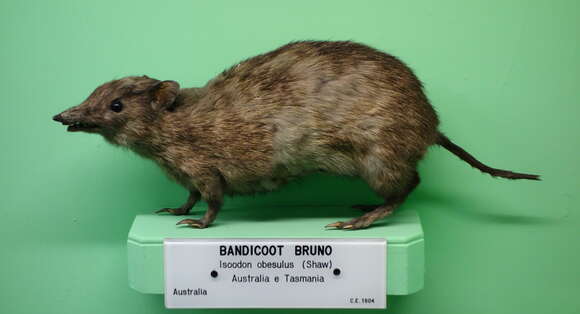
(275, 273)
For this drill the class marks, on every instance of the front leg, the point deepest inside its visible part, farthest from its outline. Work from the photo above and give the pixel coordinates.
(212, 193)
(185, 208)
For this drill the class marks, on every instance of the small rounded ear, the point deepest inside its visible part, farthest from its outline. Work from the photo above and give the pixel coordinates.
(164, 94)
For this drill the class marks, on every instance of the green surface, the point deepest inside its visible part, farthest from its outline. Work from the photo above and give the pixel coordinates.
(297, 222)
(503, 75)
(405, 251)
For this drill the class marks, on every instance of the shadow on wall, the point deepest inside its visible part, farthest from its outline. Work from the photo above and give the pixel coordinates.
(466, 208)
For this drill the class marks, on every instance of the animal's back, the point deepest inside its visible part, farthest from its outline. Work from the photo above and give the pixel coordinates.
(340, 107)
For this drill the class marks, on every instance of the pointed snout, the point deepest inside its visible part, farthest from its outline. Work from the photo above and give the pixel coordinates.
(75, 119)
(58, 118)
(68, 117)
(71, 115)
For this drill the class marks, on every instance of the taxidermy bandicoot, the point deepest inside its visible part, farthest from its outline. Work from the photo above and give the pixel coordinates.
(338, 107)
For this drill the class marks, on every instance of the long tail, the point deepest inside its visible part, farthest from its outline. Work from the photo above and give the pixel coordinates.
(467, 157)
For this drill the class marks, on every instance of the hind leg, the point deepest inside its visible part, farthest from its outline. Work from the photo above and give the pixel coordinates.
(370, 207)
(185, 208)
(395, 193)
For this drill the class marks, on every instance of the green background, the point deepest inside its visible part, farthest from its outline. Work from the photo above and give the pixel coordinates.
(503, 76)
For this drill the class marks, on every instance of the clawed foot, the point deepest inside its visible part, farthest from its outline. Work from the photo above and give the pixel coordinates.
(193, 223)
(364, 220)
(340, 225)
(357, 223)
(353, 224)
(175, 211)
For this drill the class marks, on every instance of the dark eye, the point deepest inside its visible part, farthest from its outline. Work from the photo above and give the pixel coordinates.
(117, 106)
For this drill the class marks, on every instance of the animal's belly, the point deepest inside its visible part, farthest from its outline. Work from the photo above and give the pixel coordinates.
(255, 186)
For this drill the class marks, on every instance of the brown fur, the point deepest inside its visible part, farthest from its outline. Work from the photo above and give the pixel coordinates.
(340, 107)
